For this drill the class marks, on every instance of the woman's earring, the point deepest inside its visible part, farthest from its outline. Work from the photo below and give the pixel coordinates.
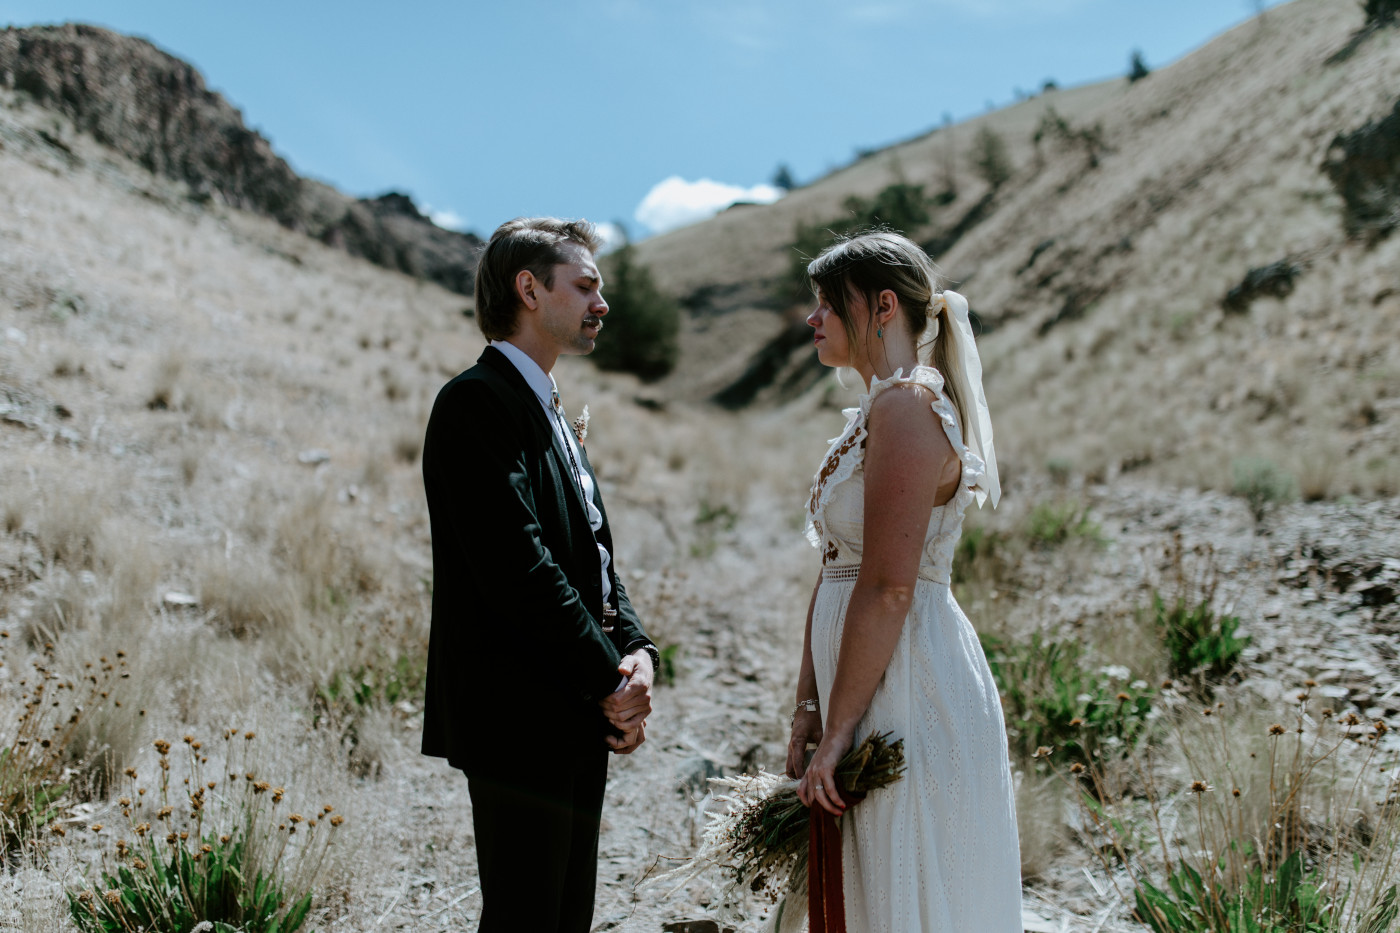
(880, 332)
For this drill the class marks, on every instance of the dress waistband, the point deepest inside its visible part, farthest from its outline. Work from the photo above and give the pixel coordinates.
(835, 573)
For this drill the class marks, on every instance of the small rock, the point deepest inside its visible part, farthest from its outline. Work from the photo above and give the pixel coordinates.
(313, 457)
(691, 926)
(176, 598)
(695, 774)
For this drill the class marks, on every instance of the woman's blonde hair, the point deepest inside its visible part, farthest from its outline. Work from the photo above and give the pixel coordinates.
(866, 264)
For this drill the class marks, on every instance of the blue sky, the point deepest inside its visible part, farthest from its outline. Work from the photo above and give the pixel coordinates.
(581, 108)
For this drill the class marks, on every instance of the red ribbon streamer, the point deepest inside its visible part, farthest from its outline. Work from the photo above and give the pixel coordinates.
(826, 899)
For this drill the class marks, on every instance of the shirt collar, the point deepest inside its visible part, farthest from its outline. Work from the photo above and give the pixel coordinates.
(540, 381)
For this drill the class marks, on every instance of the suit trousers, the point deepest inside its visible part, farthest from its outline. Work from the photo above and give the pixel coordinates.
(537, 843)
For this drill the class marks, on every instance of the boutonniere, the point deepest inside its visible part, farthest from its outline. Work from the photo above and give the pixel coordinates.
(581, 425)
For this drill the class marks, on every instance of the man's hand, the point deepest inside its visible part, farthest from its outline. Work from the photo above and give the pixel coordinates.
(628, 707)
(628, 742)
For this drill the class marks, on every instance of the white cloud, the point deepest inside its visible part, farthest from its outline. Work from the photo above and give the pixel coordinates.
(446, 219)
(676, 202)
(612, 235)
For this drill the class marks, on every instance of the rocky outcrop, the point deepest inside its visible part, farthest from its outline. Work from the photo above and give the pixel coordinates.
(155, 109)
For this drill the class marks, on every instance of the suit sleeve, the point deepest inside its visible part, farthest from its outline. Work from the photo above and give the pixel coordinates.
(475, 465)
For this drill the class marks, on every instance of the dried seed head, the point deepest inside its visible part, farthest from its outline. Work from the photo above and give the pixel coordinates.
(1123, 698)
(1381, 727)
(1309, 683)
(1199, 787)
(1235, 792)
(1043, 752)
(1276, 729)
(337, 820)
(162, 746)
(250, 736)
(113, 896)
(1076, 768)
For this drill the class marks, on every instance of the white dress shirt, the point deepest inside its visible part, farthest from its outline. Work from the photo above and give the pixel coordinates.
(544, 388)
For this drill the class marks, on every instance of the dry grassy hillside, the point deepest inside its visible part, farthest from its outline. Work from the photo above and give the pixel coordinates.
(209, 432)
(1104, 285)
(209, 492)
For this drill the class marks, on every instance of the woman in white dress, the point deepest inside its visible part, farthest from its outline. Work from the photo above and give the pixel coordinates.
(887, 648)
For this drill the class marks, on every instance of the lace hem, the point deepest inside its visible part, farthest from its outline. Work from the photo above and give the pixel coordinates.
(847, 450)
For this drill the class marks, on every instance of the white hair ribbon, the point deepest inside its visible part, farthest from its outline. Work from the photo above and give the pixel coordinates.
(977, 433)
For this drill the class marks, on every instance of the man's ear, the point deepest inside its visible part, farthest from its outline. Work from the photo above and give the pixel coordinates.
(525, 286)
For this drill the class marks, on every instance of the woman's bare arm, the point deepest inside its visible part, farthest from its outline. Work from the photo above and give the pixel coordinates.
(806, 726)
(906, 459)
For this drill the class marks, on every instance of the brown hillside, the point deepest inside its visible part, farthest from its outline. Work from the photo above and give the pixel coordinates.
(1111, 346)
(155, 109)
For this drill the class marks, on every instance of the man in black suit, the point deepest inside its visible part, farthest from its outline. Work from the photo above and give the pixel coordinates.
(537, 663)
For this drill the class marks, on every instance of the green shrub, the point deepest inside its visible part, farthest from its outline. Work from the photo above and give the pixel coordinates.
(171, 888)
(235, 857)
(1137, 67)
(1051, 524)
(1268, 843)
(37, 750)
(982, 556)
(989, 158)
(1381, 13)
(1289, 899)
(369, 685)
(1051, 700)
(1262, 484)
(642, 328)
(900, 206)
(1199, 643)
(670, 655)
(1055, 129)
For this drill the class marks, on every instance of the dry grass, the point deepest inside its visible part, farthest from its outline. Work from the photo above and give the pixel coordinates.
(312, 579)
(1214, 169)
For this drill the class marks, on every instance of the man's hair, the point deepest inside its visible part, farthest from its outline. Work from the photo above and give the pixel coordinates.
(533, 243)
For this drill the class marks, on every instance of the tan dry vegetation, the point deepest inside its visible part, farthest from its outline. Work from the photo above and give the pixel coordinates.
(1111, 351)
(258, 547)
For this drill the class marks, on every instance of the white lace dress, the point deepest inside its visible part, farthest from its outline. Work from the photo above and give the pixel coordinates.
(936, 852)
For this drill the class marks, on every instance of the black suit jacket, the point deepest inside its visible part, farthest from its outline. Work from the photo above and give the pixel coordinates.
(517, 657)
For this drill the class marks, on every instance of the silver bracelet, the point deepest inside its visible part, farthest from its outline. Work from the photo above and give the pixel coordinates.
(809, 705)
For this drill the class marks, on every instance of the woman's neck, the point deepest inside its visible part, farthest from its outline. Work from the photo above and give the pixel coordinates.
(887, 363)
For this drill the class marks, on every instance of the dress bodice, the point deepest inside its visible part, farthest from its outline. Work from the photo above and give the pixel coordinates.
(836, 509)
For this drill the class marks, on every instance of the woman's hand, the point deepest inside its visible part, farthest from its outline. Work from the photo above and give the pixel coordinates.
(818, 784)
(806, 730)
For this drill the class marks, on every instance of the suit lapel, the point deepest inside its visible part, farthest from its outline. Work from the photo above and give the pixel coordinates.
(499, 362)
